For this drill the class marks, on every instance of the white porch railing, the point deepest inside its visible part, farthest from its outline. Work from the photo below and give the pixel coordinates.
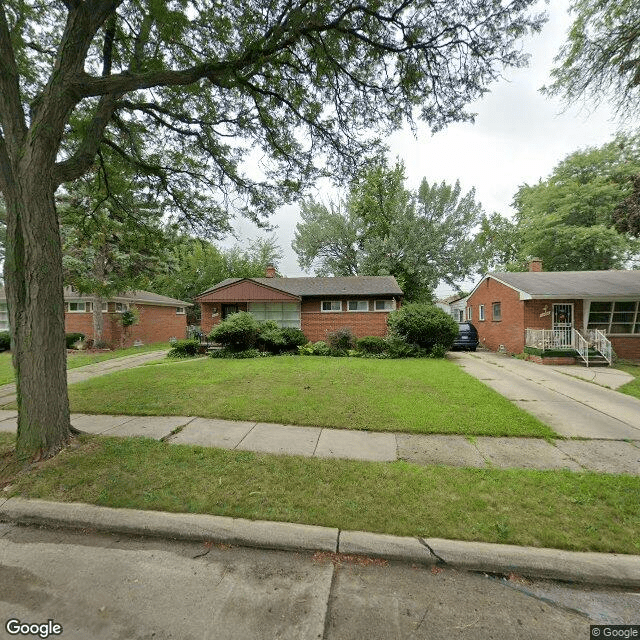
(546, 339)
(602, 344)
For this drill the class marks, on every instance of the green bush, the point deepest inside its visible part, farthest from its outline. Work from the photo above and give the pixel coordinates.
(398, 347)
(438, 351)
(371, 344)
(238, 332)
(237, 355)
(293, 338)
(184, 349)
(320, 348)
(5, 341)
(423, 325)
(72, 338)
(270, 337)
(342, 339)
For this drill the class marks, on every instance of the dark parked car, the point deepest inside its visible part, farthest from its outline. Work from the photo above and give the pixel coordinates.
(467, 339)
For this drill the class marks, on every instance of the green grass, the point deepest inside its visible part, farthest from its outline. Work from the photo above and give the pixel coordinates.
(413, 395)
(561, 509)
(80, 359)
(631, 388)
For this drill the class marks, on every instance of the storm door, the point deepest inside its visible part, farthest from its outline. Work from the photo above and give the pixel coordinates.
(563, 325)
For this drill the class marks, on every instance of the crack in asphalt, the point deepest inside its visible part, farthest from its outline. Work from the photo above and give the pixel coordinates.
(424, 543)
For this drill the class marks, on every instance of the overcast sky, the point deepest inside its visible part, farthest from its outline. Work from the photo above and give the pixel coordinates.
(518, 137)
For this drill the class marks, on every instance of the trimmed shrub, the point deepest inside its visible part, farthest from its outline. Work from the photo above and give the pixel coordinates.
(184, 349)
(270, 337)
(238, 332)
(371, 344)
(236, 355)
(5, 341)
(398, 347)
(72, 338)
(320, 348)
(293, 338)
(423, 325)
(342, 339)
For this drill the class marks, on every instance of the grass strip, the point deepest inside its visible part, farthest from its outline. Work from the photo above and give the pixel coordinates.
(631, 388)
(561, 509)
(412, 395)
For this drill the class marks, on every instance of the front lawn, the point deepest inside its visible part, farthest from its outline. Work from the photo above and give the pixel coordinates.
(631, 388)
(412, 395)
(561, 509)
(80, 359)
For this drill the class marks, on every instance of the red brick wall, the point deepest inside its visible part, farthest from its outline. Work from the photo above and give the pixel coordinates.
(208, 320)
(627, 347)
(317, 324)
(509, 331)
(155, 324)
(314, 323)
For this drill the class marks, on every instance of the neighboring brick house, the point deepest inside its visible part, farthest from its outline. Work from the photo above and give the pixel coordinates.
(318, 306)
(504, 305)
(159, 317)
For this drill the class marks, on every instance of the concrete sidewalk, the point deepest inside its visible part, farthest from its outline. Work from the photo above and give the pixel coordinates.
(572, 407)
(605, 456)
(8, 391)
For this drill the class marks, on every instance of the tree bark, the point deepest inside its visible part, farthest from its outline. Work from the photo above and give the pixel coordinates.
(34, 286)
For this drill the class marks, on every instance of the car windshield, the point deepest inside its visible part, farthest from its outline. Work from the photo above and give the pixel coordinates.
(465, 327)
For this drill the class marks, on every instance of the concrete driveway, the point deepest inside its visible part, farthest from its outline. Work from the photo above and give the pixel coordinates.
(572, 407)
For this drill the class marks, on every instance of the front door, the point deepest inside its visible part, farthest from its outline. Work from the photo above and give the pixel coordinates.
(563, 325)
(228, 309)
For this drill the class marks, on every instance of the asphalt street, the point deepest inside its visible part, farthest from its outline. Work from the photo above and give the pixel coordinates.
(115, 587)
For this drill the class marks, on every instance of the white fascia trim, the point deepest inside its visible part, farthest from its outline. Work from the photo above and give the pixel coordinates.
(523, 294)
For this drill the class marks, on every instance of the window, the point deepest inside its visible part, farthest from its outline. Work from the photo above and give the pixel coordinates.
(121, 307)
(469, 314)
(4, 317)
(284, 314)
(384, 305)
(180, 311)
(105, 307)
(76, 306)
(496, 311)
(358, 305)
(331, 305)
(481, 312)
(615, 317)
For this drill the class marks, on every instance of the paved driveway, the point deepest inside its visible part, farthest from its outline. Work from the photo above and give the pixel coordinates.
(570, 406)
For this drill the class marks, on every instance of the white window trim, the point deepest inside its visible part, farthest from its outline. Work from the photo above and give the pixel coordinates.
(323, 310)
(469, 314)
(181, 311)
(493, 318)
(393, 305)
(357, 303)
(480, 313)
(86, 309)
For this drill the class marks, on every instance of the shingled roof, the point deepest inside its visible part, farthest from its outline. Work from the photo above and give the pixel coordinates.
(572, 284)
(340, 286)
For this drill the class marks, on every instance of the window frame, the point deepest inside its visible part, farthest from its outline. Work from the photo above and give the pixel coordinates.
(496, 317)
(357, 302)
(389, 300)
(181, 311)
(480, 313)
(331, 302)
(469, 313)
(87, 307)
(612, 320)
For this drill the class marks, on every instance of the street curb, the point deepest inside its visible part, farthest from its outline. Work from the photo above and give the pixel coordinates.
(179, 526)
(608, 569)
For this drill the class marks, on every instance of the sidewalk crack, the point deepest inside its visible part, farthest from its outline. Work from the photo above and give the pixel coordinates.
(424, 543)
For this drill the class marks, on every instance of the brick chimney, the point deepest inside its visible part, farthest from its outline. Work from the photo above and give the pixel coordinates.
(535, 265)
(271, 271)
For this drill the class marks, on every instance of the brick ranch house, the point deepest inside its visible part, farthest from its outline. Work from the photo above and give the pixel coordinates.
(556, 311)
(318, 306)
(159, 317)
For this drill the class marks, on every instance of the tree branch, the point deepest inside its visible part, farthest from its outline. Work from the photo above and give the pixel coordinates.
(11, 113)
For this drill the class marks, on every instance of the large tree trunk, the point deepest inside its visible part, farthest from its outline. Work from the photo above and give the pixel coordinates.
(34, 286)
(98, 324)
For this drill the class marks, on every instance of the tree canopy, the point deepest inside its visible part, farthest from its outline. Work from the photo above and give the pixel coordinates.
(222, 106)
(567, 220)
(382, 228)
(601, 58)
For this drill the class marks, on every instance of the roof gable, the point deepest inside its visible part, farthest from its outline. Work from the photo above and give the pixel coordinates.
(244, 290)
